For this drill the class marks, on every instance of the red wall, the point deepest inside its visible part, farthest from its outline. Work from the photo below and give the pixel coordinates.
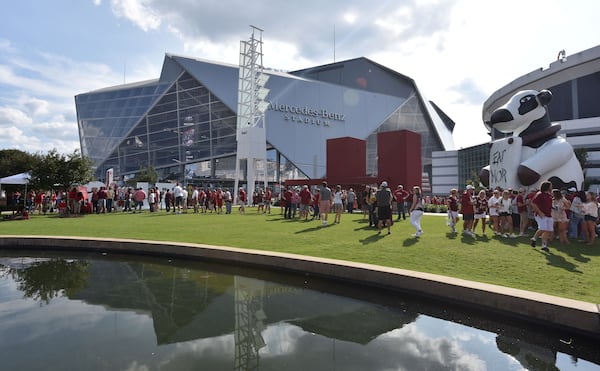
(399, 158)
(346, 160)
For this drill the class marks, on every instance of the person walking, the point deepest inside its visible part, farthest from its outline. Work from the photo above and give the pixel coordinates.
(325, 203)
(242, 199)
(178, 196)
(452, 204)
(338, 204)
(416, 211)
(542, 207)
(468, 211)
(384, 207)
(350, 200)
(287, 197)
(228, 200)
(505, 213)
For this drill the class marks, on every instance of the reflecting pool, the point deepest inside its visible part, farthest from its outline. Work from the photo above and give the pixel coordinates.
(66, 311)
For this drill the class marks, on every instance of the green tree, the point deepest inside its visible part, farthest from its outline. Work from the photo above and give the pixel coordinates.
(582, 156)
(14, 161)
(147, 174)
(54, 168)
(46, 280)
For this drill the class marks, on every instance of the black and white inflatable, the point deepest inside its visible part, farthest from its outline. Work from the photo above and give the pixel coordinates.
(534, 152)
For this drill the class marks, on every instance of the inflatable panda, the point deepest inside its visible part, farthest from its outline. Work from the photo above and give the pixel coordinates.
(534, 152)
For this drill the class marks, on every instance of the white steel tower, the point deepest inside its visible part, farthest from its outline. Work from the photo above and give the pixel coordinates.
(251, 130)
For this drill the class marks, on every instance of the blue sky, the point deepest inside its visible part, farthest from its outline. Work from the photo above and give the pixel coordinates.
(458, 51)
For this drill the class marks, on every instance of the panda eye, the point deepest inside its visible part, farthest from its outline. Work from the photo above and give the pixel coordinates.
(525, 99)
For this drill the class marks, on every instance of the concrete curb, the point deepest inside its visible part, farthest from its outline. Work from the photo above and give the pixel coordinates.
(548, 310)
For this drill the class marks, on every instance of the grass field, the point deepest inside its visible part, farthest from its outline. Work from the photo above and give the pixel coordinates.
(569, 271)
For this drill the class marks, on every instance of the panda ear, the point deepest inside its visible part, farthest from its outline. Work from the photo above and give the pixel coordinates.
(544, 96)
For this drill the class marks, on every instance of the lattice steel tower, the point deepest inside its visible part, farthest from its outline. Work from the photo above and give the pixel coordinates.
(251, 130)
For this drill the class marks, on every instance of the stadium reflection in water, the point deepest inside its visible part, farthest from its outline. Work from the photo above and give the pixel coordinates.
(95, 312)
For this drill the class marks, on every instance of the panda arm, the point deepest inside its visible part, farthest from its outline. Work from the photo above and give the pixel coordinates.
(551, 155)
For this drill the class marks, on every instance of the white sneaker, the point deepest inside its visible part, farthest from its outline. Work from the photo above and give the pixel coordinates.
(512, 235)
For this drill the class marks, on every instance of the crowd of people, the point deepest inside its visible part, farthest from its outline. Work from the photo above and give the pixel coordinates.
(553, 214)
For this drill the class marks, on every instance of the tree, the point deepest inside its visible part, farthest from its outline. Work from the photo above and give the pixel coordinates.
(46, 280)
(56, 169)
(14, 161)
(147, 174)
(582, 156)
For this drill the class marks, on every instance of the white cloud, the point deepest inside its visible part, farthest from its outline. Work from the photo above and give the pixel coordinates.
(37, 106)
(138, 12)
(97, 2)
(13, 116)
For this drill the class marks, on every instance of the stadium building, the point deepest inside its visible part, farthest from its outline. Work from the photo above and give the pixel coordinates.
(574, 81)
(184, 122)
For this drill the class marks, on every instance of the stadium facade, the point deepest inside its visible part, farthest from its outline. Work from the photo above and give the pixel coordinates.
(184, 122)
(574, 81)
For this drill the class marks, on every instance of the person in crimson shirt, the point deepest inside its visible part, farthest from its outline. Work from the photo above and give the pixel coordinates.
(481, 206)
(288, 195)
(542, 207)
(316, 200)
(522, 209)
(305, 200)
(400, 195)
(453, 209)
(242, 199)
(468, 211)
(268, 199)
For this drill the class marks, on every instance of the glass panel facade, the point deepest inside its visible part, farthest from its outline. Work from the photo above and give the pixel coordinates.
(105, 117)
(409, 116)
(588, 91)
(471, 160)
(187, 125)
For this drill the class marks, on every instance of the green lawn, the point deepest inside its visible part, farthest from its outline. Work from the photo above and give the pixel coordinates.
(569, 271)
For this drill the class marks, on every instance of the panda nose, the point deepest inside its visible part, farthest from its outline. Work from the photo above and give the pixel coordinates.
(501, 115)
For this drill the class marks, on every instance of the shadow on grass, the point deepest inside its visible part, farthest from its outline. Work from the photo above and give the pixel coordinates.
(559, 262)
(467, 240)
(372, 239)
(364, 228)
(313, 229)
(410, 241)
(578, 251)
(451, 235)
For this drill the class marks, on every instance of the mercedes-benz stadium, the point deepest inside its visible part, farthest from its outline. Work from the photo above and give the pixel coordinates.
(184, 122)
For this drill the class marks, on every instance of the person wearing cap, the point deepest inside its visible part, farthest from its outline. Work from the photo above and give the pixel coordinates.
(383, 201)
(468, 211)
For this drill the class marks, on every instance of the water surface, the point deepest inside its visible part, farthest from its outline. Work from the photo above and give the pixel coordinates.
(63, 311)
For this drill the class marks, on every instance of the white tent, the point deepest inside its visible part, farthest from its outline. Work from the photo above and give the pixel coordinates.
(22, 178)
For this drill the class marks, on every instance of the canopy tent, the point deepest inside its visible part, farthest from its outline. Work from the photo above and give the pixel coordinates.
(22, 178)
(18, 179)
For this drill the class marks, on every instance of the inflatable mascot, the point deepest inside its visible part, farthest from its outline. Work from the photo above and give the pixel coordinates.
(534, 152)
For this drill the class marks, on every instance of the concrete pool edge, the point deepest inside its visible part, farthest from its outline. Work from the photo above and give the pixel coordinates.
(554, 311)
